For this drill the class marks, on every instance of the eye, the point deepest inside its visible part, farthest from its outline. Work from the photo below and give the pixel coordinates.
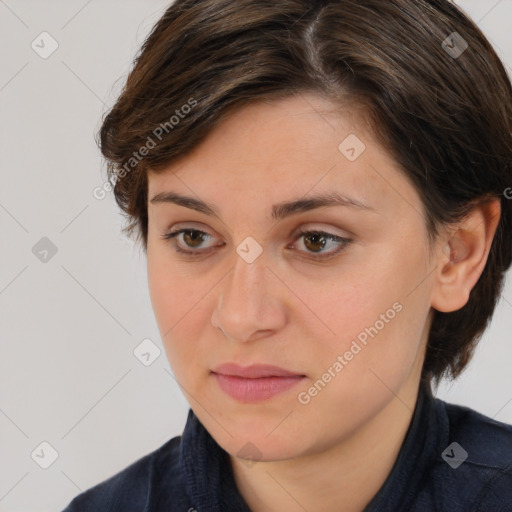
(315, 242)
(192, 238)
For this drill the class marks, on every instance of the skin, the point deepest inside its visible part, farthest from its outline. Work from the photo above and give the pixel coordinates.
(289, 310)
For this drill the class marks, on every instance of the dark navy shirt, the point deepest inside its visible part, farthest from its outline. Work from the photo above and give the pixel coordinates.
(453, 459)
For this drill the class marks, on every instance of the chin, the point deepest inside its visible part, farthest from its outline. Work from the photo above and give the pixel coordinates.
(259, 441)
(260, 450)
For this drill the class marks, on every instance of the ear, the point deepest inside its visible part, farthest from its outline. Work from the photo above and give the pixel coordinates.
(461, 256)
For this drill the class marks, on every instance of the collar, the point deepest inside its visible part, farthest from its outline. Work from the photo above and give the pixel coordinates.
(209, 479)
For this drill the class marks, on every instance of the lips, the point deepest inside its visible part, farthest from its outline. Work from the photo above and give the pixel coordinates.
(254, 383)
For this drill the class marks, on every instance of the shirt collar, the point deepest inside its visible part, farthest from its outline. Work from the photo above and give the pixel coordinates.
(209, 479)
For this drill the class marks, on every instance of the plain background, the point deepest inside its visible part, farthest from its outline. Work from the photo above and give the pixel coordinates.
(69, 325)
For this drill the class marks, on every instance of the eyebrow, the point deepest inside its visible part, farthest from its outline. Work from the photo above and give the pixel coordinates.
(279, 211)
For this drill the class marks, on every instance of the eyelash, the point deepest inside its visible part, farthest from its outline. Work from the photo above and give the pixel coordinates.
(343, 241)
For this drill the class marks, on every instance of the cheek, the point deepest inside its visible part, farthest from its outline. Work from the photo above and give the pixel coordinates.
(370, 313)
(173, 297)
(173, 313)
(172, 287)
(181, 308)
(345, 302)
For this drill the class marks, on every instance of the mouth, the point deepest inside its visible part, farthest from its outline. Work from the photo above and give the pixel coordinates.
(256, 382)
(254, 371)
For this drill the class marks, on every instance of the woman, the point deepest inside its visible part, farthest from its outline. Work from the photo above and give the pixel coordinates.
(322, 190)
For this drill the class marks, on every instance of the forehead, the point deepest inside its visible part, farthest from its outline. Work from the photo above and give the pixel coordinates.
(297, 146)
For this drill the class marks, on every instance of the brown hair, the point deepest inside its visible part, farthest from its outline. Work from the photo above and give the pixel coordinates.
(443, 110)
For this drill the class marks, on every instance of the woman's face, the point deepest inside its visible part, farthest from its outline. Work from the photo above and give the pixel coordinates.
(349, 319)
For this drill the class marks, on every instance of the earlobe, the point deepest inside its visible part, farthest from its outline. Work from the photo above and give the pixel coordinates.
(463, 255)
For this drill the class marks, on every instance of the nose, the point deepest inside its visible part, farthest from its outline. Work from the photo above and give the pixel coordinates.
(249, 305)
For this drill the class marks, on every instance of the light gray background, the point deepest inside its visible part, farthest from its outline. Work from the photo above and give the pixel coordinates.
(69, 326)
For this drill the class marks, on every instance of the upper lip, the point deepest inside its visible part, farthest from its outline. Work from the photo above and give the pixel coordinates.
(253, 371)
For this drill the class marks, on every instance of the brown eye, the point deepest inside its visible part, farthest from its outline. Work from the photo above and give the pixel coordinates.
(316, 241)
(192, 239)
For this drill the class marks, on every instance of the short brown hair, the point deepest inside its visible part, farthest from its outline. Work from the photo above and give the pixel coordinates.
(442, 110)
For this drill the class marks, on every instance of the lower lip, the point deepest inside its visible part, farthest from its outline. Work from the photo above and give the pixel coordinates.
(254, 390)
